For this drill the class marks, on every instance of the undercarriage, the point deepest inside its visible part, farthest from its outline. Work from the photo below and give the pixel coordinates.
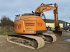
(30, 41)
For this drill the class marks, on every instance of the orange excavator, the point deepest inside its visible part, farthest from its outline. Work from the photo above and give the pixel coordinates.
(31, 29)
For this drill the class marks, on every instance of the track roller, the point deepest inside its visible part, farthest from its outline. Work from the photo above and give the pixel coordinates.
(49, 37)
(33, 42)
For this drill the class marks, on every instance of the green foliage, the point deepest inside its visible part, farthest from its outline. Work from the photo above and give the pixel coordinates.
(6, 26)
(5, 21)
(7, 31)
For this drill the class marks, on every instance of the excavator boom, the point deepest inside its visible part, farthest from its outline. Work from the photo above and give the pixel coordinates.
(44, 8)
(48, 7)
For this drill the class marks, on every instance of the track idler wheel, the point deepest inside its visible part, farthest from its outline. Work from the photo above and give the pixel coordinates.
(34, 43)
(48, 39)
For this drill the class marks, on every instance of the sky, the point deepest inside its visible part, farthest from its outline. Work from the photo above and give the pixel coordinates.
(10, 8)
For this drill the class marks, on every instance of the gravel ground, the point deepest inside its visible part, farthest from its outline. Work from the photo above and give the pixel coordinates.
(59, 46)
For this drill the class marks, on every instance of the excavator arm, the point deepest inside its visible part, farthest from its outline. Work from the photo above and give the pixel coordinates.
(44, 8)
(48, 7)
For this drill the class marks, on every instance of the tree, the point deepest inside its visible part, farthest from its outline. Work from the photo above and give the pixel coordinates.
(6, 22)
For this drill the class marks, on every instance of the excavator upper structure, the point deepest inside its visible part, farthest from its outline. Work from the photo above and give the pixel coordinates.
(31, 30)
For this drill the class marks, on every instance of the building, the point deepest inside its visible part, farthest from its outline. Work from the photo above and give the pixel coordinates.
(50, 23)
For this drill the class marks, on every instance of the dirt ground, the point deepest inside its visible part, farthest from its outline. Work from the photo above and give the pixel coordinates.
(59, 46)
